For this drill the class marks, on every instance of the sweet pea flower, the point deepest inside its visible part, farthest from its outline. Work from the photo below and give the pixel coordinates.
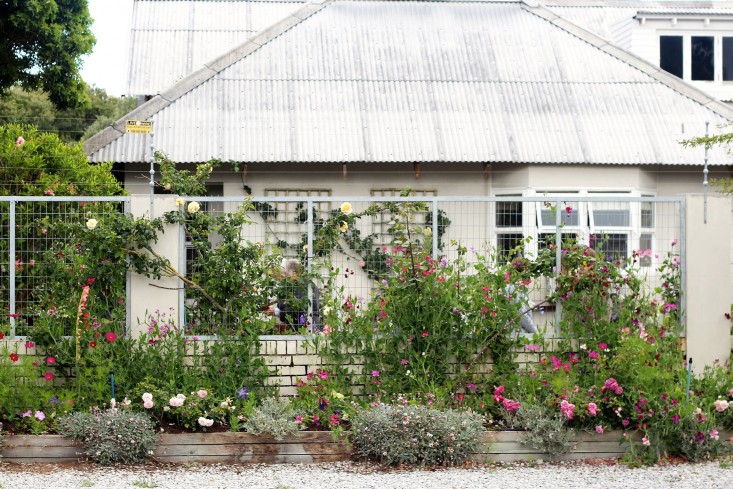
(645, 440)
(26, 414)
(721, 405)
(375, 373)
(39, 415)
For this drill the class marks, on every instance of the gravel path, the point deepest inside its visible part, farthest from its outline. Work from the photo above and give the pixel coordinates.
(359, 476)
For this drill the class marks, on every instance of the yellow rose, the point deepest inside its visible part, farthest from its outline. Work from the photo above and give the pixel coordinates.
(346, 208)
(180, 202)
(92, 223)
(193, 207)
(343, 227)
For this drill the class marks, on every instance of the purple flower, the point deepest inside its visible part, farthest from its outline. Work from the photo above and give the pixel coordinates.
(243, 393)
(26, 414)
(39, 415)
(54, 399)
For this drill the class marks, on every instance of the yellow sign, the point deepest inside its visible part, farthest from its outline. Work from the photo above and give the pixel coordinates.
(139, 127)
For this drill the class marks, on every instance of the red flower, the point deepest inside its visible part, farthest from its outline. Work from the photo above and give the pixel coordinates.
(90, 280)
(1, 335)
(50, 360)
(110, 336)
(14, 357)
(49, 376)
(425, 334)
(92, 344)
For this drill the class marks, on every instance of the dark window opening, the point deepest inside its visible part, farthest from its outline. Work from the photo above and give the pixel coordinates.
(702, 58)
(728, 59)
(670, 54)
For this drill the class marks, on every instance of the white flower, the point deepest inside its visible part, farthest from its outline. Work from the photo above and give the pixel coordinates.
(112, 403)
(147, 397)
(346, 208)
(180, 202)
(202, 393)
(721, 405)
(92, 223)
(167, 186)
(193, 207)
(206, 422)
(176, 401)
(583, 346)
(224, 404)
(428, 231)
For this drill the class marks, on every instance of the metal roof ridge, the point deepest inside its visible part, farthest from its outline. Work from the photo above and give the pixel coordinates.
(676, 84)
(202, 75)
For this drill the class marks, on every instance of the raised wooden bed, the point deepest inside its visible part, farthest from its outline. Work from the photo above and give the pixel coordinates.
(305, 447)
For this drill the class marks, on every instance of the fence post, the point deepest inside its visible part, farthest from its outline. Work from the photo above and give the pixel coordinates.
(558, 263)
(11, 267)
(708, 290)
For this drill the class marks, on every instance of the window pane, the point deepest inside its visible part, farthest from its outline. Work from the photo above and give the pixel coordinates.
(647, 215)
(568, 217)
(701, 57)
(728, 59)
(611, 217)
(508, 214)
(645, 245)
(506, 242)
(611, 247)
(670, 54)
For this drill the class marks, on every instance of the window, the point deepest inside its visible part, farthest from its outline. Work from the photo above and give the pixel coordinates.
(509, 218)
(697, 58)
(728, 59)
(702, 58)
(382, 222)
(670, 54)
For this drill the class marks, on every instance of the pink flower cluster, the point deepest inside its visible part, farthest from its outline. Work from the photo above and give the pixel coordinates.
(509, 405)
(147, 400)
(567, 409)
(612, 385)
(592, 408)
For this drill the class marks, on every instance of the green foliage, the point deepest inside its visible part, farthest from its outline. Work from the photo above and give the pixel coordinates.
(71, 125)
(42, 46)
(41, 164)
(416, 435)
(112, 436)
(320, 403)
(275, 417)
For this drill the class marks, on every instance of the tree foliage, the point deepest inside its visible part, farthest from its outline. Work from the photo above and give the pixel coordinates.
(724, 185)
(34, 107)
(41, 47)
(37, 163)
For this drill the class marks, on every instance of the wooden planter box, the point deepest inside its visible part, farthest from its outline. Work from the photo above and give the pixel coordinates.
(305, 447)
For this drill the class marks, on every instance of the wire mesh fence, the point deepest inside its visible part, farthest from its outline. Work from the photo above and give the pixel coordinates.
(641, 233)
(335, 242)
(43, 268)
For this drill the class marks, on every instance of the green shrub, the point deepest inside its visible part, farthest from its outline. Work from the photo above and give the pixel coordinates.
(546, 430)
(416, 435)
(275, 416)
(112, 436)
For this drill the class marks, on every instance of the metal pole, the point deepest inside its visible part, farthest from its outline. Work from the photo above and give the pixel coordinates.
(558, 262)
(705, 178)
(434, 251)
(309, 259)
(152, 177)
(11, 267)
(689, 375)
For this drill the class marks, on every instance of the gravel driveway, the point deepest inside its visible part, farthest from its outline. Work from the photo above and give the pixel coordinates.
(357, 476)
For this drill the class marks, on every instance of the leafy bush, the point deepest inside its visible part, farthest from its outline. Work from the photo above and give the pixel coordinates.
(112, 436)
(416, 435)
(275, 416)
(546, 430)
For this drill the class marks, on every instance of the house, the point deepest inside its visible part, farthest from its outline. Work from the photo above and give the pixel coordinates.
(475, 98)
(344, 97)
(692, 40)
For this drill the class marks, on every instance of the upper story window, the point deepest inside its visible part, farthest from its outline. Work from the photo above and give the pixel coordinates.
(697, 58)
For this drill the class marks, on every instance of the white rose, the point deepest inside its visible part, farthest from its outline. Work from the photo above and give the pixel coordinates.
(92, 223)
(193, 207)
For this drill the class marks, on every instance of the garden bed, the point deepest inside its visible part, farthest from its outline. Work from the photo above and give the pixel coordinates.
(305, 447)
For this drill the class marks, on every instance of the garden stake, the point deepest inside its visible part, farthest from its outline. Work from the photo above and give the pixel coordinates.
(112, 382)
(689, 374)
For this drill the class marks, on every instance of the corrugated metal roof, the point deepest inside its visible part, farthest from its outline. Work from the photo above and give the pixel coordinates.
(425, 81)
(169, 39)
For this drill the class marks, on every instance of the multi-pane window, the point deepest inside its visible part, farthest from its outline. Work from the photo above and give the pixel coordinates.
(697, 58)
(509, 233)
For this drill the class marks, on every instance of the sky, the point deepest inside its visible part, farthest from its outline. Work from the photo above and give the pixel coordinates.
(106, 67)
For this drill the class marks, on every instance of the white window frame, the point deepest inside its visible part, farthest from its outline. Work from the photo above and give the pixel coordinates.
(687, 36)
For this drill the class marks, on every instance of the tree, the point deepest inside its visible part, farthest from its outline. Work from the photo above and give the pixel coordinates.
(36, 163)
(41, 46)
(724, 185)
(71, 125)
